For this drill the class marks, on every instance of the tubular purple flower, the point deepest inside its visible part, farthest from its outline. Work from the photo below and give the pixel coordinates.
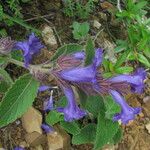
(47, 128)
(48, 105)
(30, 47)
(83, 74)
(71, 111)
(136, 80)
(79, 55)
(44, 88)
(19, 148)
(127, 112)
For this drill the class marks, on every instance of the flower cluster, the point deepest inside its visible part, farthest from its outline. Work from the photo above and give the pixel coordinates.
(70, 71)
(90, 80)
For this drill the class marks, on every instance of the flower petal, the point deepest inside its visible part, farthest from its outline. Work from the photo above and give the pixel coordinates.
(83, 74)
(19, 148)
(47, 128)
(78, 74)
(135, 80)
(30, 47)
(48, 105)
(44, 88)
(71, 111)
(127, 112)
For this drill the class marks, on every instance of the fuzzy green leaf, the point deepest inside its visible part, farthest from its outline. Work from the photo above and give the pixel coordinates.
(18, 99)
(118, 136)
(124, 70)
(90, 51)
(3, 87)
(5, 76)
(53, 117)
(62, 102)
(111, 107)
(80, 30)
(143, 60)
(87, 135)
(106, 129)
(70, 127)
(122, 58)
(67, 49)
(95, 105)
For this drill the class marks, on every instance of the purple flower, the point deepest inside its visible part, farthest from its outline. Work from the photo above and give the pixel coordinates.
(70, 61)
(48, 105)
(6, 45)
(79, 55)
(30, 47)
(90, 80)
(71, 111)
(44, 88)
(83, 74)
(136, 80)
(47, 128)
(127, 112)
(19, 148)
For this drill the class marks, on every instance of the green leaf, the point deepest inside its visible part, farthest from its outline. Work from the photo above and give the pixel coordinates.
(87, 135)
(147, 53)
(131, 56)
(17, 55)
(80, 30)
(106, 129)
(6, 77)
(71, 127)
(83, 98)
(53, 117)
(3, 87)
(67, 49)
(95, 105)
(122, 58)
(124, 70)
(3, 32)
(18, 99)
(3, 62)
(107, 74)
(118, 136)
(143, 60)
(121, 46)
(62, 102)
(90, 51)
(105, 63)
(111, 107)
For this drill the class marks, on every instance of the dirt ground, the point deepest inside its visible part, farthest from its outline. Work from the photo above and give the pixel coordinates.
(135, 134)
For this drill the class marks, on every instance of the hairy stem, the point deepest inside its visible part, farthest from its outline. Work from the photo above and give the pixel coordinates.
(31, 68)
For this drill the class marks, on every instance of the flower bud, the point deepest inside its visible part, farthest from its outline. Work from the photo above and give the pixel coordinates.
(6, 45)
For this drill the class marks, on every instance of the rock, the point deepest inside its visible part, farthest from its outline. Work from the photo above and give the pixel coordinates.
(35, 138)
(58, 139)
(109, 47)
(32, 120)
(148, 127)
(24, 144)
(39, 147)
(146, 99)
(109, 147)
(96, 24)
(48, 37)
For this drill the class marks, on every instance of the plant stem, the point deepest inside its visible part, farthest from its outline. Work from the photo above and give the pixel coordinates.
(16, 62)
(20, 22)
(32, 68)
